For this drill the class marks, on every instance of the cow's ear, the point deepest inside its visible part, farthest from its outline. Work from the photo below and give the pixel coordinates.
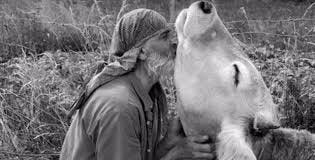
(263, 123)
(179, 24)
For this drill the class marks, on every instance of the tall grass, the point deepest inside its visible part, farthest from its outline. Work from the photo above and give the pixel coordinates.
(46, 25)
(35, 96)
(48, 54)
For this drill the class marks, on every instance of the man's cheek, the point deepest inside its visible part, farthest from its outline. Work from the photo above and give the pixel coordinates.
(169, 67)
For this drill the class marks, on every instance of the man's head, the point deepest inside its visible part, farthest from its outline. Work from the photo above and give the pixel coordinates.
(146, 31)
(141, 41)
(158, 55)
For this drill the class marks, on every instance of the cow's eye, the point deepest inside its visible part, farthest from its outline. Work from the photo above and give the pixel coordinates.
(236, 75)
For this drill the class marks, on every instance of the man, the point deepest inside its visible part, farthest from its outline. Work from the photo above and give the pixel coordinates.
(122, 108)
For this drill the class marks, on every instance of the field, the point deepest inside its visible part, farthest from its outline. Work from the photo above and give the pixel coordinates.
(50, 48)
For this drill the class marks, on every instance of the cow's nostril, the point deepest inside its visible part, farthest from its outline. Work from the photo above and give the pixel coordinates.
(205, 7)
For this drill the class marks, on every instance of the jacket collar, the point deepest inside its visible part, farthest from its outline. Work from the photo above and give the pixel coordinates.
(141, 92)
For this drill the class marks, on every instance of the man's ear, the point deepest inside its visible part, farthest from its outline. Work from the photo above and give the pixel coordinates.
(143, 54)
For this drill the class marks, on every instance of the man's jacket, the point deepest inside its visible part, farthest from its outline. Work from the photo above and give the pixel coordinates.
(119, 121)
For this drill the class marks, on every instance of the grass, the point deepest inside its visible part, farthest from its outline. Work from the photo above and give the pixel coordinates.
(42, 71)
(35, 96)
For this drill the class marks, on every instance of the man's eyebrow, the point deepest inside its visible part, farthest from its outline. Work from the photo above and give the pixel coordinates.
(165, 33)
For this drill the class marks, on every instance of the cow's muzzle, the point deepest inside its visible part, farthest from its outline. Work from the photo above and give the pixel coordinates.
(206, 7)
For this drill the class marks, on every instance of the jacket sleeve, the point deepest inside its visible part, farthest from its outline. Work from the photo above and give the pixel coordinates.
(118, 135)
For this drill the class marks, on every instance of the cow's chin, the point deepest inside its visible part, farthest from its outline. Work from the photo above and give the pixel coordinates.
(179, 25)
(193, 22)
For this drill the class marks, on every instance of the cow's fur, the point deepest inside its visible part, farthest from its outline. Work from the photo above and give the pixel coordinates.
(285, 144)
(232, 144)
(210, 104)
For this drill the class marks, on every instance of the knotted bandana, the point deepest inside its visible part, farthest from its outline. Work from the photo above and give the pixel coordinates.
(130, 34)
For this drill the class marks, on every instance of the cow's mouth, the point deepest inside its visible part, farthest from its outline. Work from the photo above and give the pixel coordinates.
(206, 7)
(198, 19)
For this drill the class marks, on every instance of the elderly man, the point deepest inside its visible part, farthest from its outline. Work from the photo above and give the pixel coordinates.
(121, 109)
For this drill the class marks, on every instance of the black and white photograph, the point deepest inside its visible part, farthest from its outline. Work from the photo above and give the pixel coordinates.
(157, 79)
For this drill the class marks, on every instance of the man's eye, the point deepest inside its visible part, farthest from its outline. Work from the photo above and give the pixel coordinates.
(236, 75)
(164, 35)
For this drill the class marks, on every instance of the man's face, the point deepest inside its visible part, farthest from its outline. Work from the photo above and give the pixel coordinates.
(161, 55)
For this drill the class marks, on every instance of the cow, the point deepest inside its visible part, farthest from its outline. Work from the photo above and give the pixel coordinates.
(220, 92)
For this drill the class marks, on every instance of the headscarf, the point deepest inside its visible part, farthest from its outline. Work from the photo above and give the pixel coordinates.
(131, 32)
(134, 27)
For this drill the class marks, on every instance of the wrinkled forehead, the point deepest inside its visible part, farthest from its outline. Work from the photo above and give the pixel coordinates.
(153, 36)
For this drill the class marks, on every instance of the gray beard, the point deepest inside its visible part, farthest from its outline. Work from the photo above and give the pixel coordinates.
(161, 67)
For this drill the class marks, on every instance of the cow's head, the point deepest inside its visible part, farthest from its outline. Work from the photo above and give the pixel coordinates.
(210, 62)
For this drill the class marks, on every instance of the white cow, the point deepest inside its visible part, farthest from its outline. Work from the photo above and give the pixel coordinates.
(221, 93)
